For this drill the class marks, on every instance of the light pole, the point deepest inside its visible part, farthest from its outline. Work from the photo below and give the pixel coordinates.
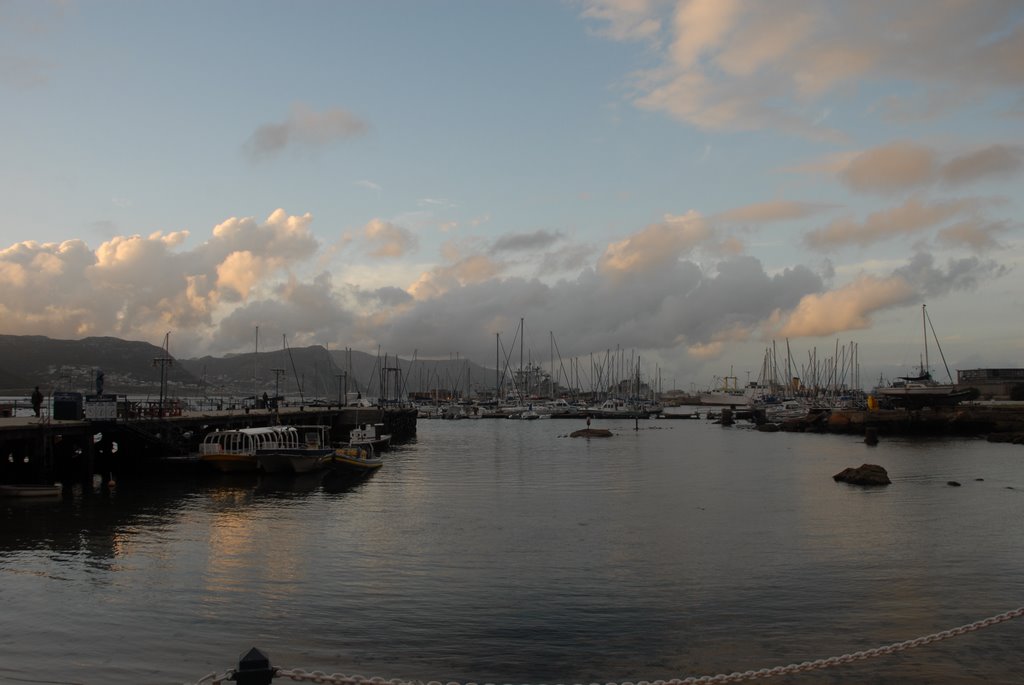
(342, 397)
(277, 384)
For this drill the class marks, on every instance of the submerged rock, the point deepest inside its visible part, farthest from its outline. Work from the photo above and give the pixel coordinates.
(865, 474)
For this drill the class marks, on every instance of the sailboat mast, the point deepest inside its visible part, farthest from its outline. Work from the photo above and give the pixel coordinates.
(255, 357)
(924, 328)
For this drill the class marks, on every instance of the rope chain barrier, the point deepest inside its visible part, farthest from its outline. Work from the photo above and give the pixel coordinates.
(298, 674)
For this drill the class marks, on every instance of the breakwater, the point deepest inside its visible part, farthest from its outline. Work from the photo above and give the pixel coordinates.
(963, 420)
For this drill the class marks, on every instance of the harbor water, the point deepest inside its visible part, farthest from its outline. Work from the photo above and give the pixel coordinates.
(500, 551)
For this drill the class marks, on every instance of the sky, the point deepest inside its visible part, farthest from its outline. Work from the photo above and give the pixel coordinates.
(690, 183)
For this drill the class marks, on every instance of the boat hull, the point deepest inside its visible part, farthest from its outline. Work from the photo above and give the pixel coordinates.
(30, 490)
(297, 460)
(353, 460)
(231, 463)
(940, 396)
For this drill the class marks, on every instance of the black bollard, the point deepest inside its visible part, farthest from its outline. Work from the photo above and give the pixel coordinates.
(870, 436)
(254, 669)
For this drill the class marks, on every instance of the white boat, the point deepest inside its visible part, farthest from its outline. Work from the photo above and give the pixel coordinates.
(615, 408)
(923, 391)
(369, 435)
(784, 411)
(560, 407)
(728, 394)
(302, 452)
(235, 450)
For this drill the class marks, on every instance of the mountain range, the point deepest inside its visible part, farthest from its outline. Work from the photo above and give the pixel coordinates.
(135, 368)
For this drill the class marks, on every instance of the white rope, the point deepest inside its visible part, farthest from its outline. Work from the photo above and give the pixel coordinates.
(340, 679)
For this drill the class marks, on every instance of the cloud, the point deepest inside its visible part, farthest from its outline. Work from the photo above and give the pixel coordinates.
(776, 210)
(976, 235)
(677, 306)
(995, 161)
(847, 308)
(701, 26)
(304, 128)
(891, 168)
(138, 287)
(903, 165)
(623, 19)
(388, 240)
(911, 217)
(960, 274)
(744, 66)
(248, 273)
(656, 246)
(519, 242)
(465, 271)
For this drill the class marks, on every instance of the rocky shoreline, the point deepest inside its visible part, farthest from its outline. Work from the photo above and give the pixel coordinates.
(999, 423)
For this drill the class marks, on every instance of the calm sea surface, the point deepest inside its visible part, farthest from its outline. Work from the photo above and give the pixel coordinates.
(505, 551)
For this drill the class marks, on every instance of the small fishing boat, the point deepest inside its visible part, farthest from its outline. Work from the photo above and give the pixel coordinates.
(369, 435)
(353, 460)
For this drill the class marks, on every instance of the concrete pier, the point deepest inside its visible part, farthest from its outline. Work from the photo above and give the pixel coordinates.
(44, 450)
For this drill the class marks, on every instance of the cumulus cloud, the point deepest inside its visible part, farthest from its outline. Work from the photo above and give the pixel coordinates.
(911, 217)
(387, 239)
(656, 246)
(138, 287)
(847, 308)
(304, 128)
(305, 314)
(744, 66)
(468, 270)
(962, 274)
(678, 305)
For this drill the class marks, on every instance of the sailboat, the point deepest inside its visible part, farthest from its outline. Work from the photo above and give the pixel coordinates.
(922, 390)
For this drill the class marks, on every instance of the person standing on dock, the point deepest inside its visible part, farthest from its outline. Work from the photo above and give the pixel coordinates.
(37, 401)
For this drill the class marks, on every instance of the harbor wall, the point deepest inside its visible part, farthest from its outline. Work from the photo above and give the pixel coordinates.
(963, 420)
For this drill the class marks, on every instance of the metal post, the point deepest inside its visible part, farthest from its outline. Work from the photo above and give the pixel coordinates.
(254, 669)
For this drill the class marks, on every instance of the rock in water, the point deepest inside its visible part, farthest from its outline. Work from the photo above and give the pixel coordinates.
(591, 433)
(865, 474)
